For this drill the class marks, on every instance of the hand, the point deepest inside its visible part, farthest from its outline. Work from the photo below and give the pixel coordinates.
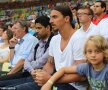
(42, 77)
(46, 86)
(13, 42)
(1, 59)
(9, 73)
(33, 74)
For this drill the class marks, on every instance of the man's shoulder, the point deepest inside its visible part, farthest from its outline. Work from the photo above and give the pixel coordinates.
(58, 36)
(104, 21)
(78, 34)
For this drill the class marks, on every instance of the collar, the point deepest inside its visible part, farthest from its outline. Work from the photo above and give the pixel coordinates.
(89, 28)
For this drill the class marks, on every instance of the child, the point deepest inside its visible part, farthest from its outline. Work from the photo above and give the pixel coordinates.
(96, 68)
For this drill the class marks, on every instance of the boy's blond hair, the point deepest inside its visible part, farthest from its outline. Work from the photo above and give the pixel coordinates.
(101, 44)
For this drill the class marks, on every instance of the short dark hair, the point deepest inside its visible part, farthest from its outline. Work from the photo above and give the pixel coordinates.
(65, 11)
(103, 4)
(44, 20)
(23, 23)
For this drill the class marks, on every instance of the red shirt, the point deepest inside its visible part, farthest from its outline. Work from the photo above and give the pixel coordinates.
(96, 21)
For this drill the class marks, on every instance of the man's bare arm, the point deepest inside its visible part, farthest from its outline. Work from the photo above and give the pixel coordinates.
(49, 66)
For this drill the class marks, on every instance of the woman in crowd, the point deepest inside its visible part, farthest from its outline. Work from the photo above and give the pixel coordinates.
(4, 47)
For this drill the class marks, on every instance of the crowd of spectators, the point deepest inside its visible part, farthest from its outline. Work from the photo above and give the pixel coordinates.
(34, 47)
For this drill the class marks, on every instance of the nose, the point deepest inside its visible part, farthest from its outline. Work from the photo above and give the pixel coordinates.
(93, 54)
(51, 20)
(13, 30)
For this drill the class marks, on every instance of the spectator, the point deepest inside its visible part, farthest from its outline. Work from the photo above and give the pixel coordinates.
(2, 29)
(4, 47)
(20, 49)
(32, 29)
(99, 12)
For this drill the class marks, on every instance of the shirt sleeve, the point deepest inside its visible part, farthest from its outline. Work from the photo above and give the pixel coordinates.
(51, 47)
(30, 64)
(82, 69)
(27, 63)
(41, 61)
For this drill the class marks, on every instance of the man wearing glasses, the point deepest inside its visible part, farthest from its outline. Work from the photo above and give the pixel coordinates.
(85, 16)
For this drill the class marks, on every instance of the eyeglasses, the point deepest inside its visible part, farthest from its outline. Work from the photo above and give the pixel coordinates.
(97, 6)
(82, 14)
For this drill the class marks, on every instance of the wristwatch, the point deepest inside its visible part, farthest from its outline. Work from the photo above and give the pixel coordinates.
(11, 47)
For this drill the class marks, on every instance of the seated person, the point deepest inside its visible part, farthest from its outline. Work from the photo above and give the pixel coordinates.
(2, 29)
(4, 47)
(20, 45)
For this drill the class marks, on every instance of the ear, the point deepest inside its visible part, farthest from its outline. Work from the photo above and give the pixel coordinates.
(67, 18)
(24, 29)
(103, 9)
(90, 17)
(48, 28)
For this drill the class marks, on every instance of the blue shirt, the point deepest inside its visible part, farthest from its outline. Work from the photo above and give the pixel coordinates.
(23, 48)
(32, 32)
(1, 40)
(98, 80)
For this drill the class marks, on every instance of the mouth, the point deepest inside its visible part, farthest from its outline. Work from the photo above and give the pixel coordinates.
(52, 24)
(92, 59)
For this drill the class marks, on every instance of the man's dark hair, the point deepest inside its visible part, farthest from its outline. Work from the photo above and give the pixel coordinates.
(65, 11)
(103, 4)
(44, 21)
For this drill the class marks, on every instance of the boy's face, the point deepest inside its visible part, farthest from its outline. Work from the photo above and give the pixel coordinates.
(94, 56)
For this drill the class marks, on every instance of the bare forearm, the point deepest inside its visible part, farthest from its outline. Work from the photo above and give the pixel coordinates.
(57, 75)
(11, 53)
(18, 67)
(69, 78)
(49, 66)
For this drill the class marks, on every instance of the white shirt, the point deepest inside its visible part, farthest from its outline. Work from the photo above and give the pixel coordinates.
(4, 51)
(103, 27)
(73, 51)
(92, 30)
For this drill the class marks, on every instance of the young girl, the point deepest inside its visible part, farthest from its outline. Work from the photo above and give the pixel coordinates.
(96, 68)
